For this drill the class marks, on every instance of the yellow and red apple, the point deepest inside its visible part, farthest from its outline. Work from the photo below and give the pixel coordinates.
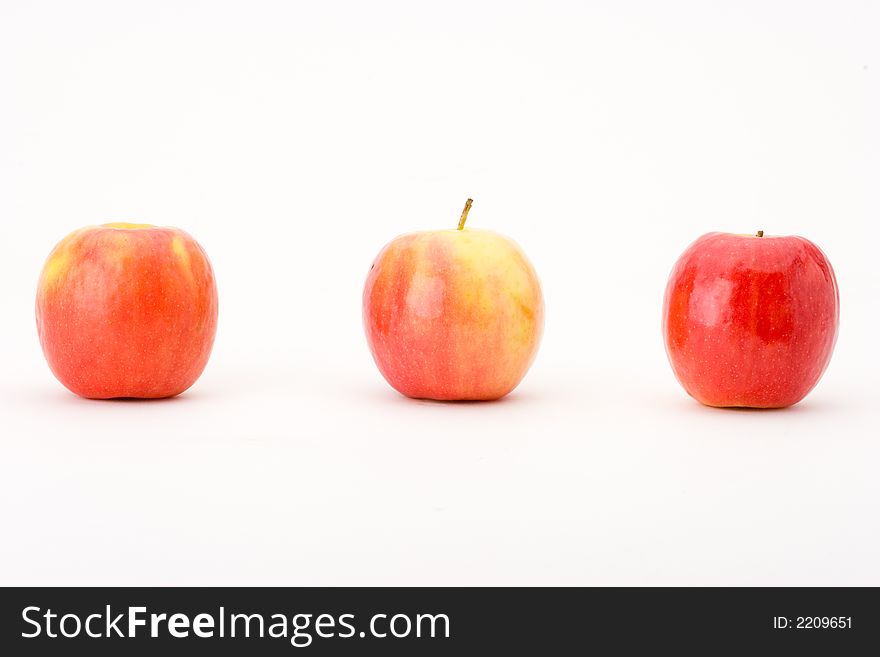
(453, 314)
(127, 310)
(750, 320)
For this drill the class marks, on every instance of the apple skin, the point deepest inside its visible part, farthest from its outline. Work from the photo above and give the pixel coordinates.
(453, 314)
(750, 321)
(127, 310)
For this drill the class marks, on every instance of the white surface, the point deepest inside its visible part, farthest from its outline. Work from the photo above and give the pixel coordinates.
(294, 139)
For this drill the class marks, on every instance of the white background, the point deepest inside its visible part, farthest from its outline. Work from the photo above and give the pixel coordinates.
(293, 139)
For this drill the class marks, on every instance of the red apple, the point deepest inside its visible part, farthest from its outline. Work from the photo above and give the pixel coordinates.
(750, 320)
(127, 310)
(453, 314)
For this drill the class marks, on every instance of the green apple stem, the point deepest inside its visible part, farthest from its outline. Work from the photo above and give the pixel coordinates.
(760, 233)
(464, 213)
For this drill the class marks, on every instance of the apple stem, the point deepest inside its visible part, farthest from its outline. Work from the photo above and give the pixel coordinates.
(760, 233)
(464, 213)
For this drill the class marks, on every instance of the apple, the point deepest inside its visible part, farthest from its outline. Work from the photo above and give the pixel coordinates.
(127, 310)
(453, 314)
(750, 320)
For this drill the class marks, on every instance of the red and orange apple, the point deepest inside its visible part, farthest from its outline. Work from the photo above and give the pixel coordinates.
(127, 310)
(750, 320)
(453, 314)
